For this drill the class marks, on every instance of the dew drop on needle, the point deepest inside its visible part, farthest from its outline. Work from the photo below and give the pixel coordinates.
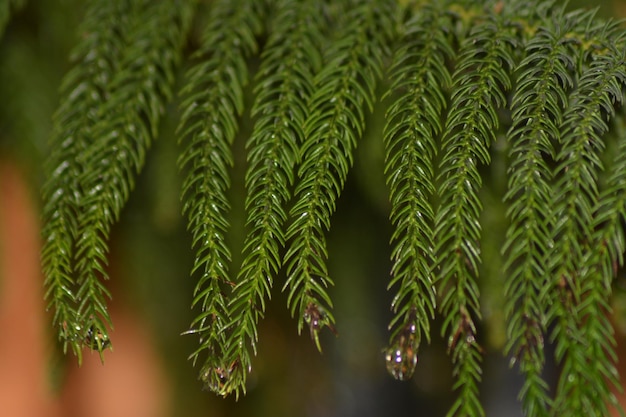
(401, 356)
(217, 379)
(96, 340)
(400, 362)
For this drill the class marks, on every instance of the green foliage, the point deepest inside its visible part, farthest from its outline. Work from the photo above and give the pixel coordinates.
(420, 76)
(284, 85)
(480, 84)
(465, 77)
(214, 99)
(541, 90)
(112, 103)
(345, 84)
(84, 90)
(578, 294)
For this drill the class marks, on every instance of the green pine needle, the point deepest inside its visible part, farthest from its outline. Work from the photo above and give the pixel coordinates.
(480, 83)
(579, 297)
(213, 101)
(542, 87)
(84, 91)
(284, 85)
(346, 83)
(127, 124)
(411, 135)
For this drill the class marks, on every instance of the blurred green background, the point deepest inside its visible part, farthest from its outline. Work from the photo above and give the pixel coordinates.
(151, 260)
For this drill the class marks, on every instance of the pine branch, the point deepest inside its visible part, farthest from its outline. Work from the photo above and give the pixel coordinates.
(413, 126)
(610, 212)
(85, 88)
(353, 63)
(580, 295)
(285, 83)
(127, 124)
(214, 100)
(540, 96)
(604, 257)
(481, 80)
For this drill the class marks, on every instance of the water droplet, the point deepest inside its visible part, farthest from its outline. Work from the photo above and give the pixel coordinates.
(401, 362)
(96, 340)
(70, 335)
(317, 318)
(222, 379)
(401, 356)
(216, 379)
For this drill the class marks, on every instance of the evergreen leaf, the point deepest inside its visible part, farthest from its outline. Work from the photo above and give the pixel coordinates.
(290, 60)
(578, 290)
(127, 123)
(480, 83)
(352, 65)
(84, 90)
(213, 101)
(420, 78)
(543, 84)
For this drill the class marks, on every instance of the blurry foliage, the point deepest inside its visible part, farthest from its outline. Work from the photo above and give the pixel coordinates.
(491, 133)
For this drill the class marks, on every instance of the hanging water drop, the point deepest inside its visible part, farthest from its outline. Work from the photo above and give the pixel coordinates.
(401, 362)
(96, 340)
(401, 356)
(216, 379)
(221, 379)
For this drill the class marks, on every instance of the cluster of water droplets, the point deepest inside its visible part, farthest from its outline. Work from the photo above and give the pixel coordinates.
(96, 340)
(92, 337)
(222, 379)
(401, 355)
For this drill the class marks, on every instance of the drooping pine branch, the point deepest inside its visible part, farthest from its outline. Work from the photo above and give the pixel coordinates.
(582, 333)
(481, 80)
(419, 77)
(353, 63)
(127, 123)
(540, 97)
(213, 102)
(290, 61)
(610, 212)
(604, 257)
(84, 90)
